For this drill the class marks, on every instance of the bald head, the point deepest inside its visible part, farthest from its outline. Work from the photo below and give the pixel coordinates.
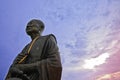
(37, 22)
(35, 25)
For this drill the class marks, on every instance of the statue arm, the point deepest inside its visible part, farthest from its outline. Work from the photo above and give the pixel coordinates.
(19, 56)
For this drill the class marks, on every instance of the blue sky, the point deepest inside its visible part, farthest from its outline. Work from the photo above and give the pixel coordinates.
(84, 29)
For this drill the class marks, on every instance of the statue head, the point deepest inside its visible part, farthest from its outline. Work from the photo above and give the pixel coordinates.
(35, 26)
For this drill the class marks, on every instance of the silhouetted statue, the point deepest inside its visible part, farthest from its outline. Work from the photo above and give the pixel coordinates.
(40, 59)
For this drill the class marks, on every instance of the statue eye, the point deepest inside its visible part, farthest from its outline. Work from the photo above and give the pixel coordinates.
(29, 26)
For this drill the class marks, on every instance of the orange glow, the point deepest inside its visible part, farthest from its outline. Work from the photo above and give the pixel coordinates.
(112, 76)
(105, 77)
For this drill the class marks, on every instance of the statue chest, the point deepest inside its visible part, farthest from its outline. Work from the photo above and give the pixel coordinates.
(36, 51)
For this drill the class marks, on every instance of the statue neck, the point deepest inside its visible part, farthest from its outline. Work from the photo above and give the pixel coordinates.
(33, 36)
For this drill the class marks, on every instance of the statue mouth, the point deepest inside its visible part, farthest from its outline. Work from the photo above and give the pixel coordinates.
(30, 31)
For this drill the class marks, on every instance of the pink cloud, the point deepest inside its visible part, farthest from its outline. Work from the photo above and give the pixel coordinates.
(112, 76)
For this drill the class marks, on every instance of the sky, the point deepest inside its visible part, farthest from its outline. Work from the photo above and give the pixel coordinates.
(87, 31)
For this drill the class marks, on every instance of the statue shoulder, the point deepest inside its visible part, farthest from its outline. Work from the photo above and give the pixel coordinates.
(51, 36)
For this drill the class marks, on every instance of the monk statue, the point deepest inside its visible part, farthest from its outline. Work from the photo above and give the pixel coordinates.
(40, 59)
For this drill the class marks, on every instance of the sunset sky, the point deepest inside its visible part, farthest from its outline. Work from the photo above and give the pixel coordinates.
(87, 31)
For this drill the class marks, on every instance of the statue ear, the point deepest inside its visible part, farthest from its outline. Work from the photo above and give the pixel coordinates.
(41, 28)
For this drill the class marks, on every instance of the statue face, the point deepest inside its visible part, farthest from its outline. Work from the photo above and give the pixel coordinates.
(32, 27)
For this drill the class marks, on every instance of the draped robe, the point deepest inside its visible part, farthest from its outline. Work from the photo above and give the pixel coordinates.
(43, 62)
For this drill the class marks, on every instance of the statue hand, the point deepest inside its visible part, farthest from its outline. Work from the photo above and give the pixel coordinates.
(16, 70)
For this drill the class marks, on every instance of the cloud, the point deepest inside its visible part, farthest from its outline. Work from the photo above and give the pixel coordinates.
(93, 62)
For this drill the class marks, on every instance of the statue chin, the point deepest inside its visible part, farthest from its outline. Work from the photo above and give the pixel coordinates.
(29, 32)
(32, 31)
